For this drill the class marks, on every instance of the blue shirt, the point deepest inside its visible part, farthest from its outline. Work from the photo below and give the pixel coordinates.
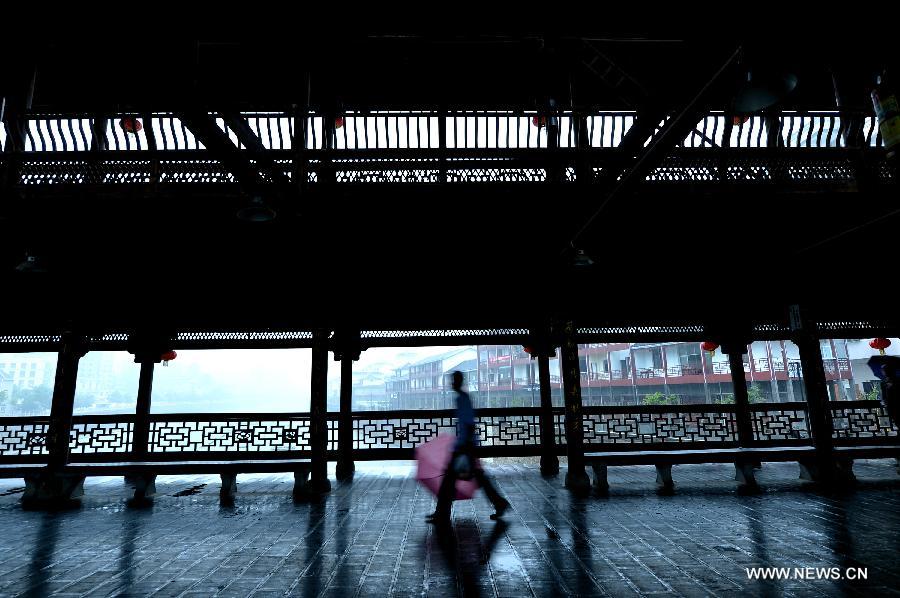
(465, 421)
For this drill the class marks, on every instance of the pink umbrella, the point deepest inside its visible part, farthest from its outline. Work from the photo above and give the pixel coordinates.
(433, 458)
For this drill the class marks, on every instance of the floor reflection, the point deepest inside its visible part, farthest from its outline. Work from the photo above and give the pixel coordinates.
(583, 582)
(310, 583)
(42, 555)
(841, 540)
(756, 528)
(132, 523)
(463, 552)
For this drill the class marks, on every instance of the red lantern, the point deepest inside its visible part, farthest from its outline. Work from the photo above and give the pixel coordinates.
(539, 121)
(709, 346)
(168, 356)
(880, 343)
(338, 122)
(527, 349)
(739, 119)
(131, 125)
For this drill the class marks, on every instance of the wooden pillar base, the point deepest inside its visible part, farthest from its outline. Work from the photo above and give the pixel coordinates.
(844, 470)
(577, 480)
(839, 471)
(320, 486)
(344, 470)
(744, 474)
(144, 486)
(809, 471)
(306, 488)
(601, 484)
(229, 487)
(549, 465)
(301, 485)
(52, 487)
(664, 477)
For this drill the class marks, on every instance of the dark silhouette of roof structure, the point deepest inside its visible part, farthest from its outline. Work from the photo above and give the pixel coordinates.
(414, 255)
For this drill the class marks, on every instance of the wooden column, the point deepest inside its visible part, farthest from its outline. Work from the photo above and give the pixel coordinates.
(148, 345)
(318, 413)
(53, 485)
(15, 105)
(345, 466)
(819, 413)
(735, 351)
(549, 460)
(141, 436)
(347, 351)
(576, 477)
(74, 348)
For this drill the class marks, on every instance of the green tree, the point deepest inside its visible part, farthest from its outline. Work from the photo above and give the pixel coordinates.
(874, 394)
(725, 400)
(34, 399)
(754, 394)
(658, 398)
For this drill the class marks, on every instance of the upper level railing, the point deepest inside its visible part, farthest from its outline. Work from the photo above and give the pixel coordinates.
(422, 147)
(421, 130)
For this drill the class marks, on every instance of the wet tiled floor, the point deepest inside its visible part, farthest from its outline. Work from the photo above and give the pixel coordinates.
(369, 538)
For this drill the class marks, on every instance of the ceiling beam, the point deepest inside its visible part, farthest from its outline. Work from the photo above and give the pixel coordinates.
(647, 158)
(220, 146)
(237, 123)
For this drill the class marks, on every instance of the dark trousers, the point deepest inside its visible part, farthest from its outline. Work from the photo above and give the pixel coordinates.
(447, 492)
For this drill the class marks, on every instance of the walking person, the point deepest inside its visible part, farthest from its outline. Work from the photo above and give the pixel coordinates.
(463, 463)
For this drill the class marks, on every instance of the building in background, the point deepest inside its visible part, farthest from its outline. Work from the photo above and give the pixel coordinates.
(6, 391)
(96, 375)
(425, 384)
(369, 391)
(27, 370)
(632, 374)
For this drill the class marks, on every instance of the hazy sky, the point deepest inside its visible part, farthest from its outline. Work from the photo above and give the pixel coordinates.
(233, 380)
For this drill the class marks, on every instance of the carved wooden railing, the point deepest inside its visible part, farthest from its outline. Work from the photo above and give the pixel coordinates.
(394, 434)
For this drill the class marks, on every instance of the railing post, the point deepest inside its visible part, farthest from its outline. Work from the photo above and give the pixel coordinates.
(442, 145)
(555, 168)
(735, 351)
(584, 171)
(318, 413)
(99, 127)
(804, 336)
(55, 484)
(152, 148)
(301, 139)
(576, 477)
(346, 350)
(327, 174)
